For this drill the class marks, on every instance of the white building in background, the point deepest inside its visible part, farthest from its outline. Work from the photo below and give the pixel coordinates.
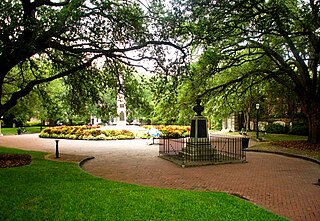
(232, 123)
(121, 120)
(95, 121)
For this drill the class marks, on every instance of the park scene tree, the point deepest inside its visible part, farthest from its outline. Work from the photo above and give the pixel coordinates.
(188, 76)
(257, 41)
(41, 41)
(241, 45)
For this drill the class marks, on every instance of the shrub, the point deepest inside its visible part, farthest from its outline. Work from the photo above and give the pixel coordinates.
(299, 129)
(65, 130)
(85, 133)
(89, 137)
(32, 124)
(46, 130)
(93, 132)
(101, 137)
(174, 131)
(276, 129)
(44, 135)
(71, 136)
(124, 137)
(171, 131)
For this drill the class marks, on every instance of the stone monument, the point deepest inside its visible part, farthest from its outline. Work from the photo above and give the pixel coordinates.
(199, 147)
(199, 125)
(121, 110)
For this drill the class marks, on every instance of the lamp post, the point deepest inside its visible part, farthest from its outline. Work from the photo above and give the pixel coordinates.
(240, 121)
(257, 127)
(57, 148)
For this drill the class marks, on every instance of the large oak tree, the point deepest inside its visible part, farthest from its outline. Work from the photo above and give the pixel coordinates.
(282, 38)
(73, 37)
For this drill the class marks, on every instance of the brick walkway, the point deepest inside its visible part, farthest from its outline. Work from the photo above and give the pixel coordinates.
(280, 184)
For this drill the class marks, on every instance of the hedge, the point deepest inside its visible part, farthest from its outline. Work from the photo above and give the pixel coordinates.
(276, 129)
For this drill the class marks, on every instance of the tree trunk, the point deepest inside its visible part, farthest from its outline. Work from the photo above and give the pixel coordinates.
(313, 114)
(314, 125)
(246, 116)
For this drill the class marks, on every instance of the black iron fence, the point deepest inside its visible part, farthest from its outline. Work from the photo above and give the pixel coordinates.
(203, 151)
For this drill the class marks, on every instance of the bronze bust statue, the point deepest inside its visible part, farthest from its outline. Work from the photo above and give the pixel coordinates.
(198, 108)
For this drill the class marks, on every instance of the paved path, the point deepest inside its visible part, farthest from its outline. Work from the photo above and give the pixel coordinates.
(280, 184)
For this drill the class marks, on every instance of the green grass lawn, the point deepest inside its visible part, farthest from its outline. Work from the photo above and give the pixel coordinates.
(47, 190)
(277, 137)
(268, 147)
(271, 137)
(13, 131)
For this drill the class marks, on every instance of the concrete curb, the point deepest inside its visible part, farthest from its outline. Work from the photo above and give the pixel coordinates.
(80, 164)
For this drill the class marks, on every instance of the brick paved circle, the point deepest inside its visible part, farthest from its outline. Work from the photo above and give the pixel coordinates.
(280, 184)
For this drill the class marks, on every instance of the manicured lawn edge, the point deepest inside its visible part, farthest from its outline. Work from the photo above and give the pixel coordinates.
(51, 190)
(80, 164)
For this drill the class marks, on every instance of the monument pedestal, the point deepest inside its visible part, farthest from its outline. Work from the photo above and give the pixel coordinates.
(198, 148)
(199, 128)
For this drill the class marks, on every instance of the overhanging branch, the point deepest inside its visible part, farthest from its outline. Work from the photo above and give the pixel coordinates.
(39, 3)
(115, 50)
(222, 87)
(28, 88)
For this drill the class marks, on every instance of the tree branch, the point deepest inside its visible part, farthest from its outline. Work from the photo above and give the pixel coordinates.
(39, 3)
(222, 87)
(114, 50)
(28, 88)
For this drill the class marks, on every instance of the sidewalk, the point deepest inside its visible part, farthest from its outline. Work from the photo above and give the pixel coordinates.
(283, 185)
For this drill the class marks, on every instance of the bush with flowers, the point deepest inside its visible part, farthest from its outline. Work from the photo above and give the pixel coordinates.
(85, 133)
(172, 131)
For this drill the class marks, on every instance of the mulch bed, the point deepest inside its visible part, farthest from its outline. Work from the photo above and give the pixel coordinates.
(299, 145)
(14, 160)
(17, 160)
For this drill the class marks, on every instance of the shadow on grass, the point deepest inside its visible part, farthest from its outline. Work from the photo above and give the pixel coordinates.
(49, 190)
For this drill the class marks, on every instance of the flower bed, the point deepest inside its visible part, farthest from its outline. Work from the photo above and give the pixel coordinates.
(85, 133)
(172, 131)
